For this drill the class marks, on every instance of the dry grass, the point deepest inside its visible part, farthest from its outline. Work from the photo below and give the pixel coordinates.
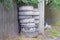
(40, 37)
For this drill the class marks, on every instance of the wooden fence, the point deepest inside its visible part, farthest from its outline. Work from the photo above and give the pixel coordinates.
(8, 21)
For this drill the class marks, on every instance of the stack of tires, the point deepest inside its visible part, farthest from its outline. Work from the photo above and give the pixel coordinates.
(29, 21)
(36, 17)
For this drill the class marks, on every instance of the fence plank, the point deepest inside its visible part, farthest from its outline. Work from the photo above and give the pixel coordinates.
(8, 22)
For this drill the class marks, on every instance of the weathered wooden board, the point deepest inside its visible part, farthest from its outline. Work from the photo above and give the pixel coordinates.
(8, 21)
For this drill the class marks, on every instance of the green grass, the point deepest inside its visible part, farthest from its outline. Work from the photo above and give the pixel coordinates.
(52, 33)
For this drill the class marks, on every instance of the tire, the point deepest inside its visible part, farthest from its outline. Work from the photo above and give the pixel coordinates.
(26, 8)
(36, 17)
(26, 13)
(25, 17)
(27, 20)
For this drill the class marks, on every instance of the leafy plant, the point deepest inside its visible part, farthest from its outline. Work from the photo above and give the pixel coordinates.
(1, 0)
(56, 4)
(53, 3)
(34, 3)
(8, 3)
(47, 2)
(28, 2)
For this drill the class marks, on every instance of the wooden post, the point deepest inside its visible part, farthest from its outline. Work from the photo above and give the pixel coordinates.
(41, 10)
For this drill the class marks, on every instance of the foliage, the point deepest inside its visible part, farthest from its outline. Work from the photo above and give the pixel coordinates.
(8, 3)
(53, 3)
(56, 3)
(1, 0)
(48, 2)
(33, 3)
(30, 1)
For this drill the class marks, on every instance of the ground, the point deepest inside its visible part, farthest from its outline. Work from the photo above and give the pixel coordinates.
(53, 33)
(50, 34)
(40, 37)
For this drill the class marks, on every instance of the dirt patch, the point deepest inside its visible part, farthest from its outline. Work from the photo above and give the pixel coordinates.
(40, 37)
